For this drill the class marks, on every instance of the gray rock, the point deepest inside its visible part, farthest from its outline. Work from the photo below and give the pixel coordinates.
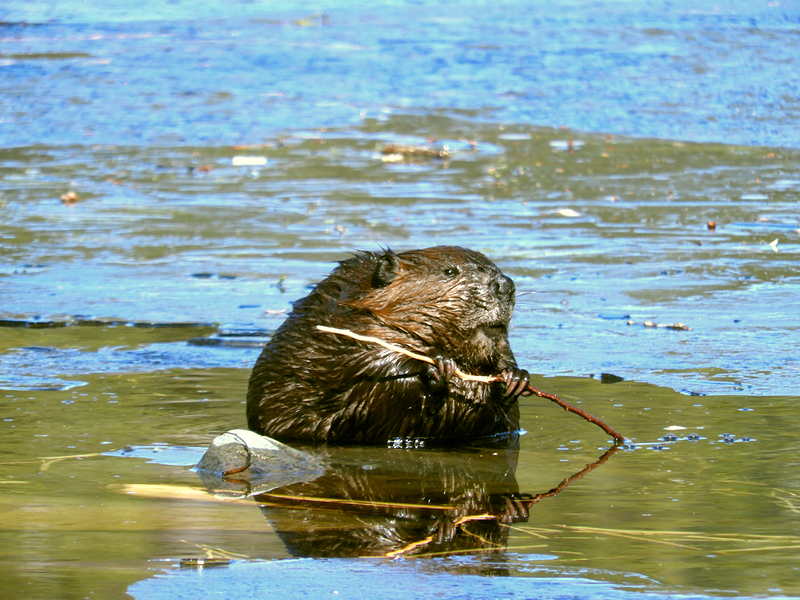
(241, 463)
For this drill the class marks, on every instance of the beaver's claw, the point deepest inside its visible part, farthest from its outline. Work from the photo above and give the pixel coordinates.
(441, 371)
(516, 381)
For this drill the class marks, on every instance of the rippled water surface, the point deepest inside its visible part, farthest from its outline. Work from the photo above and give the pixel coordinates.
(172, 177)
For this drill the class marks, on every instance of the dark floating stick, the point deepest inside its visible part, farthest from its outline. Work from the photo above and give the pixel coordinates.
(528, 391)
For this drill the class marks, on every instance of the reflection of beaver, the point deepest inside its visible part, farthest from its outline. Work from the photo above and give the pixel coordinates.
(452, 304)
(407, 501)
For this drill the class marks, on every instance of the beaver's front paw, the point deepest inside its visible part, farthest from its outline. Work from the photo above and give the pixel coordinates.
(516, 381)
(438, 375)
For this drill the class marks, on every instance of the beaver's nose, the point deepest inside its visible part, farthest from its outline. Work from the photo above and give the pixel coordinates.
(503, 288)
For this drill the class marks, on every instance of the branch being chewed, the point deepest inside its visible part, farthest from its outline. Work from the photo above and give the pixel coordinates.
(400, 350)
(529, 389)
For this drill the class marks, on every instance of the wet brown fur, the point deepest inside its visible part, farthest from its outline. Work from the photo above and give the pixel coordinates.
(446, 302)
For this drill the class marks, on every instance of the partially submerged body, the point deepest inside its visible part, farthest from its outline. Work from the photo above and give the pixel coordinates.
(449, 303)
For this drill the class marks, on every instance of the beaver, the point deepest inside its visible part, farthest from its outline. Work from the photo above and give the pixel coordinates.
(449, 303)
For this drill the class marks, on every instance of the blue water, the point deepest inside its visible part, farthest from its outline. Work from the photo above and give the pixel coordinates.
(240, 72)
(343, 579)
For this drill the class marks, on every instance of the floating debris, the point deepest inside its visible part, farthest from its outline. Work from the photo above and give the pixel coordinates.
(566, 212)
(674, 326)
(313, 20)
(69, 198)
(199, 563)
(249, 161)
(610, 378)
(566, 145)
(401, 153)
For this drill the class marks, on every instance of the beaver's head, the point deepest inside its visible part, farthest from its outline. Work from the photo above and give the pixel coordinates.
(446, 296)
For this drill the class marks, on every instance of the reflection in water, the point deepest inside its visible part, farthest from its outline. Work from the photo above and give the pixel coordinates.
(378, 502)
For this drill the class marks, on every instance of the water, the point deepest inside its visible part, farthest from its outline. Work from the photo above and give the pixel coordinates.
(588, 148)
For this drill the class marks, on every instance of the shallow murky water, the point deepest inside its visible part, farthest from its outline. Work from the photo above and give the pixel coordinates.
(130, 317)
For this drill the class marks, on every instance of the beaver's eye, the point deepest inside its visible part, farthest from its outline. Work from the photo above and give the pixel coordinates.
(450, 271)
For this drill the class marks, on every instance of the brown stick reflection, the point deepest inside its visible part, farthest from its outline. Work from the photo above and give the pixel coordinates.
(587, 469)
(410, 503)
(517, 506)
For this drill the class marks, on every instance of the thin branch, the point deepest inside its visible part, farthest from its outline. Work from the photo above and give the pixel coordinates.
(569, 408)
(528, 391)
(401, 350)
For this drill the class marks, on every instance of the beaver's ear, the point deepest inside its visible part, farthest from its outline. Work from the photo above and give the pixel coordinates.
(385, 270)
